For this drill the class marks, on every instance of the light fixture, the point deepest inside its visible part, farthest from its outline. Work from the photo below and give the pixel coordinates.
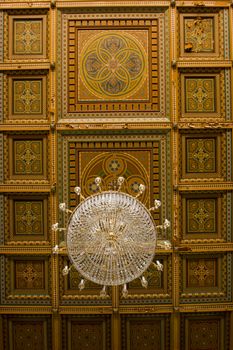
(111, 237)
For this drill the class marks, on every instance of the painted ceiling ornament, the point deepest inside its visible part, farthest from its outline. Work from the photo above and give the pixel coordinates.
(113, 65)
(111, 237)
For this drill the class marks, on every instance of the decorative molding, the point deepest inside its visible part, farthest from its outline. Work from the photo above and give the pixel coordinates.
(205, 125)
(1, 158)
(25, 186)
(1, 34)
(40, 65)
(99, 5)
(2, 217)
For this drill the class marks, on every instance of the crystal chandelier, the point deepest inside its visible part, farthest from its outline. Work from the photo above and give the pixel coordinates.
(111, 237)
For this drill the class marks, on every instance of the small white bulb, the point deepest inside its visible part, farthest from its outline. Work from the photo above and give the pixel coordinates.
(81, 285)
(125, 291)
(55, 226)
(167, 245)
(77, 190)
(65, 271)
(120, 180)
(98, 180)
(166, 223)
(55, 249)
(62, 206)
(159, 265)
(144, 282)
(103, 292)
(141, 188)
(157, 203)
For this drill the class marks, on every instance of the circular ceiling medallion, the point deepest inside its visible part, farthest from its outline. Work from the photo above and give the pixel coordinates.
(111, 238)
(113, 65)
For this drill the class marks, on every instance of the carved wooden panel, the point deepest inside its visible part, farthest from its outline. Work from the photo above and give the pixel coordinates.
(135, 89)
(200, 217)
(27, 37)
(205, 277)
(87, 332)
(27, 157)
(27, 332)
(112, 63)
(204, 331)
(27, 96)
(200, 97)
(151, 332)
(203, 156)
(26, 219)
(199, 34)
(137, 158)
(26, 281)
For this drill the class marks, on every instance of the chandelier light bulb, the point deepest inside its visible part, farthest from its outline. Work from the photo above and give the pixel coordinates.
(81, 285)
(142, 188)
(55, 227)
(167, 245)
(120, 182)
(103, 292)
(77, 190)
(144, 282)
(159, 265)
(125, 291)
(157, 203)
(98, 181)
(166, 223)
(65, 271)
(62, 206)
(55, 249)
